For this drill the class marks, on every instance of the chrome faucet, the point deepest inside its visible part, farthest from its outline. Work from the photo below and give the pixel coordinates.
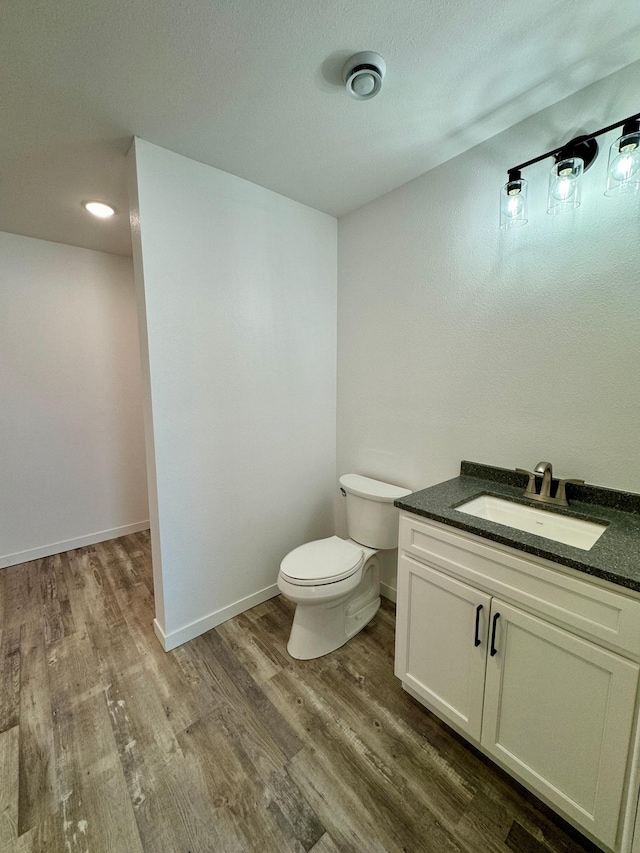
(544, 470)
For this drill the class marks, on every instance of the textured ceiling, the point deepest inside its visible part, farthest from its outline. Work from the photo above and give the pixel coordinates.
(253, 87)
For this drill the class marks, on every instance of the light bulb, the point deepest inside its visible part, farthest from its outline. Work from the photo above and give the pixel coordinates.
(99, 209)
(515, 205)
(623, 167)
(564, 185)
(623, 173)
(562, 188)
(513, 202)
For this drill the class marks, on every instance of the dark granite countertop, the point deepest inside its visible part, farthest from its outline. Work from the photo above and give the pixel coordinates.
(614, 557)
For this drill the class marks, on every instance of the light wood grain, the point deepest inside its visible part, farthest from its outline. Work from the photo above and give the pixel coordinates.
(46, 837)
(8, 786)
(37, 780)
(226, 744)
(95, 805)
(9, 676)
(325, 845)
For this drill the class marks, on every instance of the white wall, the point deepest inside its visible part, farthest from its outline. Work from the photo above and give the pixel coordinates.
(72, 461)
(238, 300)
(457, 340)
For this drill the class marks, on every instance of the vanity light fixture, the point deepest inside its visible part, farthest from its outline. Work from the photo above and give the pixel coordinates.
(99, 208)
(570, 162)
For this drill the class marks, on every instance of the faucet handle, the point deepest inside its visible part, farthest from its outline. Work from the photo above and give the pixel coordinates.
(561, 495)
(531, 485)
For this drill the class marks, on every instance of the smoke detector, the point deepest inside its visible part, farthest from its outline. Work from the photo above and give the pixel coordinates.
(363, 74)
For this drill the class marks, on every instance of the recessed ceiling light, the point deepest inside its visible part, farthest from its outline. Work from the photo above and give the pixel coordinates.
(99, 208)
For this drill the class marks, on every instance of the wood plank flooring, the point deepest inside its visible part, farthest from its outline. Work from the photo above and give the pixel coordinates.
(225, 745)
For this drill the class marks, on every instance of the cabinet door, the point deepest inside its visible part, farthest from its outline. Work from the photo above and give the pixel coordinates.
(439, 653)
(558, 711)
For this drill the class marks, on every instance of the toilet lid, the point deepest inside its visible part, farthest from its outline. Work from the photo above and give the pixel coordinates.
(322, 561)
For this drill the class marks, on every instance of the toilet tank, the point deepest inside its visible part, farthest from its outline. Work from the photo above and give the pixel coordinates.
(372, 519)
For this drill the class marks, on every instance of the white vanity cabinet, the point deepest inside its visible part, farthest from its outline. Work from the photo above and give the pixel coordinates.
(537, 667)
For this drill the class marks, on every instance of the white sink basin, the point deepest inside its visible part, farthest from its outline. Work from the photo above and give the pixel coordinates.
(560, 528)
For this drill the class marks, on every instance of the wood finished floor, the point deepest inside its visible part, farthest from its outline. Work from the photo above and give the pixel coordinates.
(224, 745)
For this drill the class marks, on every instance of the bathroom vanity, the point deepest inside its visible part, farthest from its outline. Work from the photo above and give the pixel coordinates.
(528, 647)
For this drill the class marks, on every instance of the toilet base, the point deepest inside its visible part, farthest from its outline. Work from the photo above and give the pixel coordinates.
(321, 628)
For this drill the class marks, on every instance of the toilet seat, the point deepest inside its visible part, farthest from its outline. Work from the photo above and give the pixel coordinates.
(321, 562)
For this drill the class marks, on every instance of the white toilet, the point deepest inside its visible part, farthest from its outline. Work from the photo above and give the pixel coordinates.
(335, 582)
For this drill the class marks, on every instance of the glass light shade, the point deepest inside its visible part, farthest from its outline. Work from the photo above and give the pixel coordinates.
(623, 173)
(564, 185)
(513, 204)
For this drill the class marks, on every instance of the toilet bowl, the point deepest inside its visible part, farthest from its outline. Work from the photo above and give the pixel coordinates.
(334, 582)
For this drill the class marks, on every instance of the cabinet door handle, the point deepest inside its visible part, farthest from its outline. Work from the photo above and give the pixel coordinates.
(494, 651)
(476, 641)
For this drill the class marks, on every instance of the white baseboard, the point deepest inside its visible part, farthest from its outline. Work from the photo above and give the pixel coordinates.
(70, 544)
(389, 592)
(200, 626)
